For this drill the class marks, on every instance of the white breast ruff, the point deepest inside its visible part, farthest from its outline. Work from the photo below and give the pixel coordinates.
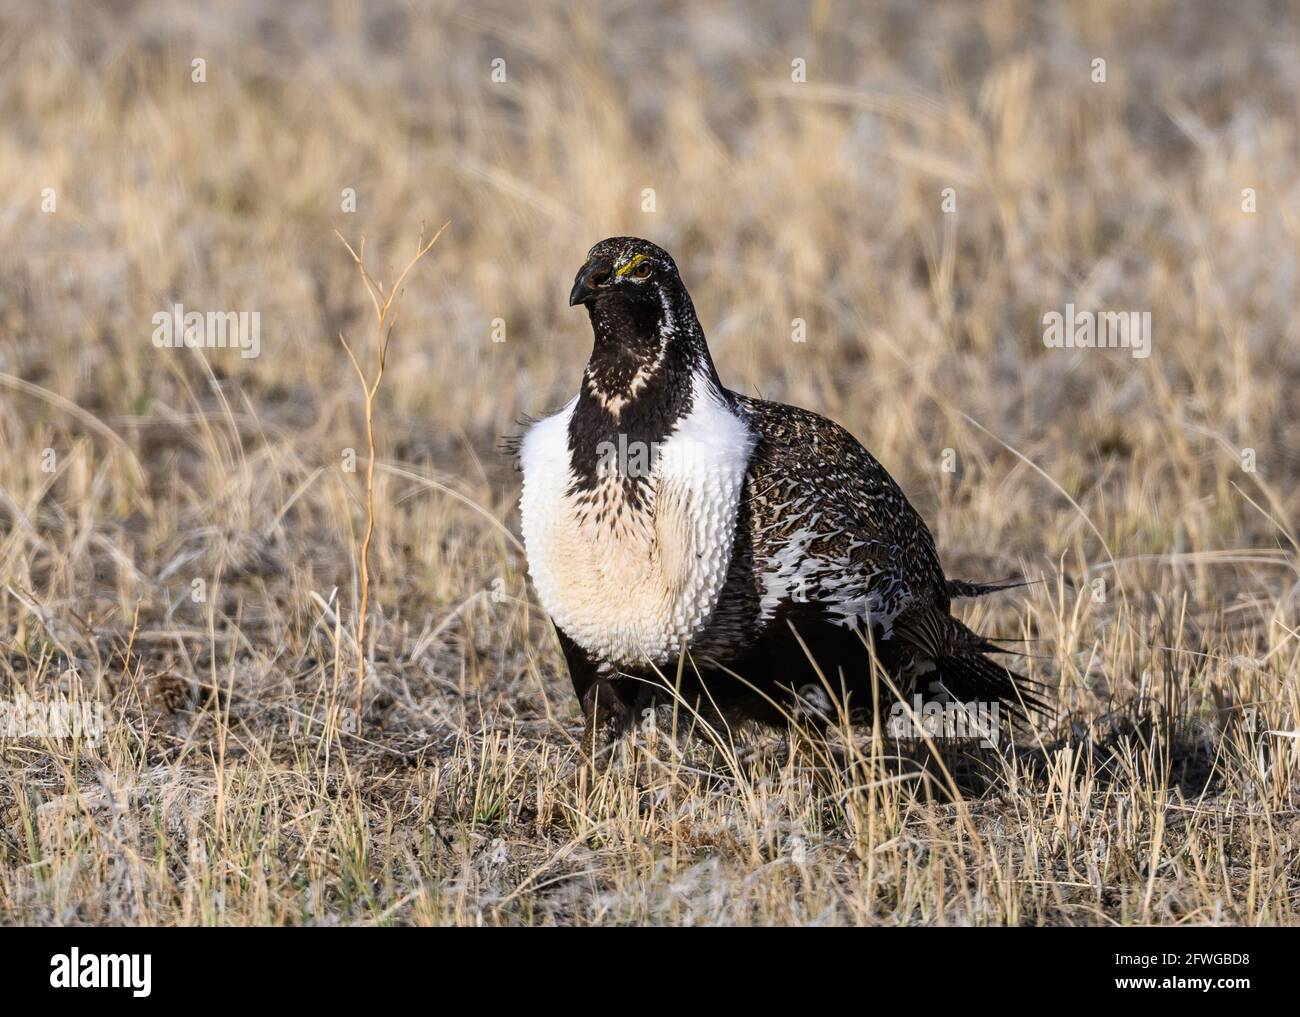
(635, 586)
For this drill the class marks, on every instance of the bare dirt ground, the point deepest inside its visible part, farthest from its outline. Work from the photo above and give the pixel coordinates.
(180, 529)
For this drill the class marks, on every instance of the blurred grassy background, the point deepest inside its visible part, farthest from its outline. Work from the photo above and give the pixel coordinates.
(819, 200)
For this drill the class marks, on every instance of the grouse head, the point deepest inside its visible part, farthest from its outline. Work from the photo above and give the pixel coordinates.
(644, 324)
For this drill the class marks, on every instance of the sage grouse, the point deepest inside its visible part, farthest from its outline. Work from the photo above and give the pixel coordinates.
(746, 556)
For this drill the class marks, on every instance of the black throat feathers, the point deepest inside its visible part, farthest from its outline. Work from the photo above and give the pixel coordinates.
(639, 382)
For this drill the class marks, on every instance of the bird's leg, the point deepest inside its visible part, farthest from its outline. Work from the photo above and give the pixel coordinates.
(607, 713)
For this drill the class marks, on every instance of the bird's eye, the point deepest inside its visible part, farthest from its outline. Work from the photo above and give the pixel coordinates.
(642, 271)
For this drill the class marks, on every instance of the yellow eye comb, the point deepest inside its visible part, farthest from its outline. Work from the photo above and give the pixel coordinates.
(632, 263)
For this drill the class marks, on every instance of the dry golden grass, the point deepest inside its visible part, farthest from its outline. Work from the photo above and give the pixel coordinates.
(231, 785)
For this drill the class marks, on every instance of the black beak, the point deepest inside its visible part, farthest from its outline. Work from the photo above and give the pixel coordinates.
(592, 278)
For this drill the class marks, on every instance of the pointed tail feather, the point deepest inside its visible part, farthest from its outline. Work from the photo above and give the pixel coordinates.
(971, 676)
(962, 665)
(959, 588)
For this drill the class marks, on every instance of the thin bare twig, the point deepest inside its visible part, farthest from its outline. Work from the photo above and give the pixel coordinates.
(370, 387)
